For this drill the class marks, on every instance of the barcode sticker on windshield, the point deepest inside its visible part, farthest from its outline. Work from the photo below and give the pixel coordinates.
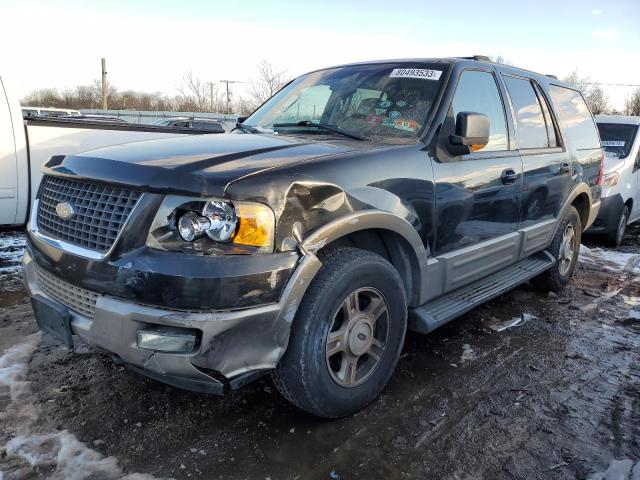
(423, 73)
(612, 143)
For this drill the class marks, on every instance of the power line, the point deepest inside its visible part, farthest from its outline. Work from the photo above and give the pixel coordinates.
(612, 84)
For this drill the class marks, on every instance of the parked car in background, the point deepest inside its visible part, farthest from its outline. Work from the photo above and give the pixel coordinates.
(189, 122)
(26, 144)
(358, 202)
(621, 188)
(48, 112)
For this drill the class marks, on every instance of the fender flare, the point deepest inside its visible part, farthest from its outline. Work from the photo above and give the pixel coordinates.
(580, 189)
(414, 247)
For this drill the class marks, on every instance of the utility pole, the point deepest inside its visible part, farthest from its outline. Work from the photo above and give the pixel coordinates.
(211, 96)
(227, 82)
(105, 105)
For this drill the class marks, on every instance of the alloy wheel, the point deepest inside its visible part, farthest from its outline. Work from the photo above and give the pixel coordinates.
(568, 249)
(357, 337)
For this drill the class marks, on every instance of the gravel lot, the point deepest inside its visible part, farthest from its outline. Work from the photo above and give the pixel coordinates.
(527, 386)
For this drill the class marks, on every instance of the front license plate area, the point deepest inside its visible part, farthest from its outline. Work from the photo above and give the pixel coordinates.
(53, 318)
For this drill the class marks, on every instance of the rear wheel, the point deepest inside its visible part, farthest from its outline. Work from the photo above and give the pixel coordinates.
(614, 238)
(565, 248)
(347, 335)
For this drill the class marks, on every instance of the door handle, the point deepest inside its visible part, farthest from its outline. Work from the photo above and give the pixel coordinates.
(509, 176)
(565, 167)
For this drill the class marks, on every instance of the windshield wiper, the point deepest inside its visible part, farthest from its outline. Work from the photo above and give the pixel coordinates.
(321, 126)
(245, 128)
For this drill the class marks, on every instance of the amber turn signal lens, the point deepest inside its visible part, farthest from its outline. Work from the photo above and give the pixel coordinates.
(255, 226)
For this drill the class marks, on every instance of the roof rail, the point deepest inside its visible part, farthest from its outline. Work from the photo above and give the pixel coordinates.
(480, 58)
(551, 76)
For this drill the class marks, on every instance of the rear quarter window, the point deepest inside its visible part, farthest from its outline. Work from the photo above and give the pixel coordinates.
(575, 117)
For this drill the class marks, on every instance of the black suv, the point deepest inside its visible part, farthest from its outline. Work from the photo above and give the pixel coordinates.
(359, 201)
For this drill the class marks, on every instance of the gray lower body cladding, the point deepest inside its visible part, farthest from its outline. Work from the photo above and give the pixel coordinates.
(233, 344)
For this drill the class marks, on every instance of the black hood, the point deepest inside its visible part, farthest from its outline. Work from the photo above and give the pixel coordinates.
(202, 165)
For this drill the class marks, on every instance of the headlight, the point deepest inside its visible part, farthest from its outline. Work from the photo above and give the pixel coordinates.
(212, 226)
(610, 180)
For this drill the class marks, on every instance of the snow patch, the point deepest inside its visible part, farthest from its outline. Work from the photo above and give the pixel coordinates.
(11, 249)
(468, 353)
(631, 301)
(14, 368)
(610, 259)
(72, 459)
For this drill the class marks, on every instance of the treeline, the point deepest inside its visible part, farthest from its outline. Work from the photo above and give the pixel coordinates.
(598, 99)
(195, 95)
(198, 95)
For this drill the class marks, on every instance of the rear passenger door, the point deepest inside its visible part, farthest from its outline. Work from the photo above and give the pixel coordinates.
(477, 195)
(547, 166)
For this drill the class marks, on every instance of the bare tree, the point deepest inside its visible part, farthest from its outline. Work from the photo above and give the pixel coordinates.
(581, 83)
(594, 94)
(500, 59)
(270, 79)
(632, 103)
(598, 100)
(201, 96)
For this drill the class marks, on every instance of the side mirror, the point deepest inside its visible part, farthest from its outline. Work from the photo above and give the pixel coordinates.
(241, 120)
(472, 131)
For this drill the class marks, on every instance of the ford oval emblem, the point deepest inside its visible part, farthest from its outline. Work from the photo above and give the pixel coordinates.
(65, 211)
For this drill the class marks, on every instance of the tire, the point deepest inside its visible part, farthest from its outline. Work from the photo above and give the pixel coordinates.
(558, 276)
(614, 238)
(315, 381)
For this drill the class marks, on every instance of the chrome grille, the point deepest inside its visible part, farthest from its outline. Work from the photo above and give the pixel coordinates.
(75, 298)
(101, 210)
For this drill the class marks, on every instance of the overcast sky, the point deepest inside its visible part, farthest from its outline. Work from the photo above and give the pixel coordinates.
(150, 44)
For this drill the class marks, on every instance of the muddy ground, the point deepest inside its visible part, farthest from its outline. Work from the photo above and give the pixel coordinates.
(557, 396)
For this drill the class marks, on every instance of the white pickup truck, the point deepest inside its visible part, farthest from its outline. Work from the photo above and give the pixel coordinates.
(25, 145)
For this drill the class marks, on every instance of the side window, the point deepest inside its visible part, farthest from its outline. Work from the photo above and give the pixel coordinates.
(531, 127)
(551, 131)
(477, 92)
(575, 117)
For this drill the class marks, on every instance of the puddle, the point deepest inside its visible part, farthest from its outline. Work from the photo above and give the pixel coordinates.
(498, 325)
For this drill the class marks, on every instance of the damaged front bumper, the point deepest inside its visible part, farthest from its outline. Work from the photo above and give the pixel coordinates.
(234, 346)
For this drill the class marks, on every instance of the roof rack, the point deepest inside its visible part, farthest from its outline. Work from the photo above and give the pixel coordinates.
(480, 58)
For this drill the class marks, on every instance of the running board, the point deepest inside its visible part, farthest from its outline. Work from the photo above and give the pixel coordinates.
(442, 310)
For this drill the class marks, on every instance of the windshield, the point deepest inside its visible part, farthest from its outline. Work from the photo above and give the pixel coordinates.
(617, 138)
(384, 102)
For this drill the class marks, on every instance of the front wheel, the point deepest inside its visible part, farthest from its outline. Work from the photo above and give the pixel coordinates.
(347, 335)
(565, 248)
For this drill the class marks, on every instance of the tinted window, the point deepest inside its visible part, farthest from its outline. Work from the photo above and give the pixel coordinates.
(575, 117)
(551, 131)
(617, 138)
(530, 125)
(477, 92)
